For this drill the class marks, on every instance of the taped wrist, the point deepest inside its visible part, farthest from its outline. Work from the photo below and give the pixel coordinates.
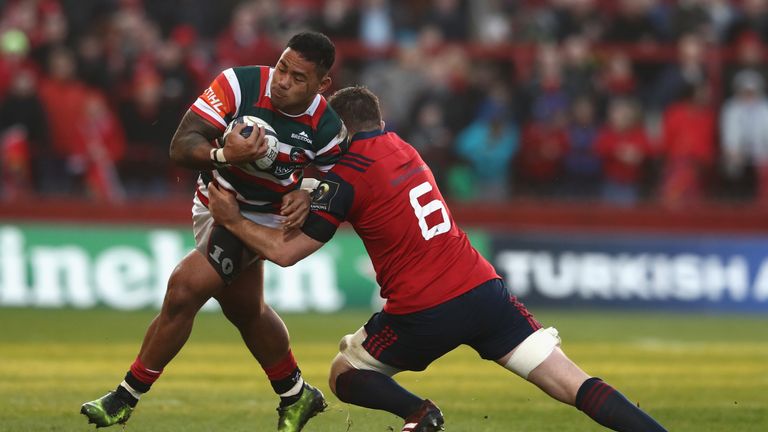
(217, 157)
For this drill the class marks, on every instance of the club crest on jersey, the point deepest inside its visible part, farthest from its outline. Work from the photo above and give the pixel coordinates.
(323, 194)
(302, 136)
(297, 155)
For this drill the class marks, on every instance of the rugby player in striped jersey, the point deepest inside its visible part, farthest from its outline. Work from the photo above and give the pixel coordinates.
(289, 98)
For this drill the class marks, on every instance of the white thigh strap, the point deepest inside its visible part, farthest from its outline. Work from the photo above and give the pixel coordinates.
(533, 351)
(351, 347)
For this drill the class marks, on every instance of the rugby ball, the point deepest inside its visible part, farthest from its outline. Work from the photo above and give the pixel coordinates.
(265, 162)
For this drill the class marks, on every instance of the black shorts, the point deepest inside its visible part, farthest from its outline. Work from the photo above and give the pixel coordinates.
(487, 318)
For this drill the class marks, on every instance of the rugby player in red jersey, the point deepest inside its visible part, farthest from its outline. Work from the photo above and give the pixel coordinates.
(288, 97)
(440, 292)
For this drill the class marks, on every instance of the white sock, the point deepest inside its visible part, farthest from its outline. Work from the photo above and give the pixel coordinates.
(135, 393)
(295, 389)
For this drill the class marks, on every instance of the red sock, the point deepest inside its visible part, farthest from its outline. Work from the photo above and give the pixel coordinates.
(142, 378)
(283, 375)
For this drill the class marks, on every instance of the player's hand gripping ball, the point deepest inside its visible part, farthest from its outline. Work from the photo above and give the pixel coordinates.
(270, 137)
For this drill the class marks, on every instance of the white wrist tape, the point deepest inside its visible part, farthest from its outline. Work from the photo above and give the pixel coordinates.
(217, 156)
(309, 184)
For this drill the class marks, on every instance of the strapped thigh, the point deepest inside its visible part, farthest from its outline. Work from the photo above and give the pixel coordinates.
(351, 348)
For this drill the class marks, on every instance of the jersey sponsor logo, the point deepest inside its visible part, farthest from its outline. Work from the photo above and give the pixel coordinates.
(302, 136)
(283, 170)
(323, 195)
(213, 100)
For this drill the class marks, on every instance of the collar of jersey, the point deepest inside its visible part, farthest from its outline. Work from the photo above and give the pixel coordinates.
(367, 134)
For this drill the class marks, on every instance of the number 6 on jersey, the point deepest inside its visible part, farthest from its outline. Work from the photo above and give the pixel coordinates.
(423, 211)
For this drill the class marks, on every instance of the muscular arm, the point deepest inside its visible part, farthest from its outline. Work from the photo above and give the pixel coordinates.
(191, 144)
(283, 248)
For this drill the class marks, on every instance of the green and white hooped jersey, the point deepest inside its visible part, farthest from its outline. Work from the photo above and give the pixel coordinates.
(317, 136)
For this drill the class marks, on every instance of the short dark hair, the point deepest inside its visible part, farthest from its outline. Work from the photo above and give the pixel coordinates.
(316, 48)
(358, 108)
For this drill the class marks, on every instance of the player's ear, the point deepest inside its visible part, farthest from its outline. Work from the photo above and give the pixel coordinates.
(325, 84)
(382, 124)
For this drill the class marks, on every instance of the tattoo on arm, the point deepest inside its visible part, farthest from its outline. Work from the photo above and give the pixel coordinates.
(191, 144)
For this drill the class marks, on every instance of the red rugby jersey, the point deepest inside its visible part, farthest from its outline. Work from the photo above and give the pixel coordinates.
(386, 191)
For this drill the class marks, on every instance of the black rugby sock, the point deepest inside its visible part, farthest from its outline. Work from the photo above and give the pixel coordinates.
(607, 406)
(374, 390)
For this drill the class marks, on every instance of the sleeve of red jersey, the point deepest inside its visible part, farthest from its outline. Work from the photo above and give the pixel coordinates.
(331, 202)
(219, 103)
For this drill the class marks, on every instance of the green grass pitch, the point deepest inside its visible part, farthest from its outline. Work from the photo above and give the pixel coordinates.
(691, 372)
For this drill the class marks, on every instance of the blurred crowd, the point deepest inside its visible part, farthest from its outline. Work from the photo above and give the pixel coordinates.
(621, 101)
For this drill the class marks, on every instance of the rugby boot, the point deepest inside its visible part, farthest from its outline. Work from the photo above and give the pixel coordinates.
(428, 418)
(107, 410)
(293, 417)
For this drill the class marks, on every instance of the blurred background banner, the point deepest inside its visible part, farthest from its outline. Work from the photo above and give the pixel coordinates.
(674, 271)
(78, 266)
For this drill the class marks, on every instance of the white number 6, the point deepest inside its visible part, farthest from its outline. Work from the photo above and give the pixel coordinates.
(423, 211)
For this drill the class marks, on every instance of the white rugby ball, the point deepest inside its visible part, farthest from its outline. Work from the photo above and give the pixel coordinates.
(265, 162)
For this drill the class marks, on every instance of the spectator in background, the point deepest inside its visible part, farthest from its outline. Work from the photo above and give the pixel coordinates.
(86, 136)
(24, 137)
(691, 17)
(147, 116)
(399, 82)
(545, 92)
(721, 15)
(687, 147)
(582, 163)
(196, 58)
(624, 149)
(102, 145)
(14, 50)
(245, 40)
(64, 98)
(450, 17)
(432, 138)
(542, 150)
(752, 16)
(749, 56)
(633, 23)
(580, 70)
(377, 29)
(617, 77)
(578, 18)
(92, 63)
(338, 19)
(688, 71)
(488, 144)
(744, 128)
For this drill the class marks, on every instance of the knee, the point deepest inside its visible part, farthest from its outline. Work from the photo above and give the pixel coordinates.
(244, 317)
(183, 295)
(338, 367)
